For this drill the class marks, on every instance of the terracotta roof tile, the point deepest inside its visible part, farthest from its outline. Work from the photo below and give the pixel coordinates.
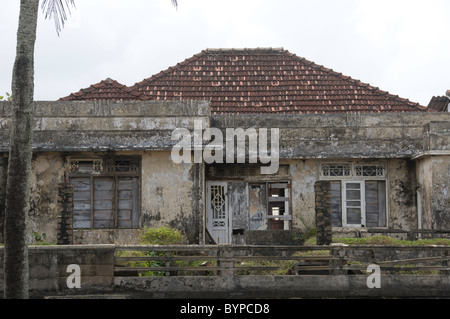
(267, 80)
(438, 103)
(264, 80)
(107, 89)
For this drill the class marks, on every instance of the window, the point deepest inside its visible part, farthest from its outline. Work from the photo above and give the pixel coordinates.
(106, 192)
(358, 203)
(358, 194)
(353, 204)
(278, 203)
(269, 205)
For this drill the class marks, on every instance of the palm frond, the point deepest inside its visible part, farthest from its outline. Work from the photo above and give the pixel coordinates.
(57, 9)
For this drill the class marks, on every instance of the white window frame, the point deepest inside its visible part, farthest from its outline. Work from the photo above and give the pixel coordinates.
(362, 207)
(354, 178)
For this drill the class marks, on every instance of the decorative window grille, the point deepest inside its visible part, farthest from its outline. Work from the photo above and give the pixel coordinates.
(350, 170)
(86, 166)
(239, 170)
(336, 170)
(370, 170)
(97, 166)
(129, 166)
(218, 203)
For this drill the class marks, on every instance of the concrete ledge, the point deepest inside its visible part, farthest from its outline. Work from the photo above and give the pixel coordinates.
(313, 286)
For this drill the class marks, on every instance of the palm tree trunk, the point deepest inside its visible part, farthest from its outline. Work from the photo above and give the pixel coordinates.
(19, 168)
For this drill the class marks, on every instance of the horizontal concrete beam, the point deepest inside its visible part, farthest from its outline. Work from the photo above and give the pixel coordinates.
(148, 125)
(307, 286)
(107, 126)
(60, 109)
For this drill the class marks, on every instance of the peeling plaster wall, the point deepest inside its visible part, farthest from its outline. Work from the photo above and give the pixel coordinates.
(47, 172)
(170, 194)
(304, 174)
(401, 194)
(440, 198)
(433, 181)
(401, 187)
(425, 177)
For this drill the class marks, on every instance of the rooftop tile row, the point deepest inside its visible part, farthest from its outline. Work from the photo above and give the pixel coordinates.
(254, 81)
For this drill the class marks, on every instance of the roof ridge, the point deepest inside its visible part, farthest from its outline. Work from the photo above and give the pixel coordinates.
(245, 49)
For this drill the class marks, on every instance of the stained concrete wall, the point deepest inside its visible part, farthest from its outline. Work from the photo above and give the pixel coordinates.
(433, 176)
(304, 174)
(107, 125)
(47, 171)
(434, 188)
(312, 286)
(345, 135)
(49, 268)
(171, 195)
(401, 187)
(396, 139)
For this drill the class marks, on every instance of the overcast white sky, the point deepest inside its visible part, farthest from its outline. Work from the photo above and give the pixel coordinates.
(400, 46)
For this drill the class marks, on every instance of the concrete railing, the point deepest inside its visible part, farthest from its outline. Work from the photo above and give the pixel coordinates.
(235, 260)
(224, 271)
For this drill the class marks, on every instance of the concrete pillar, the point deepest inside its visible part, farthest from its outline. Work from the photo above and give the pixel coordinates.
(322, 190)
(65, 217)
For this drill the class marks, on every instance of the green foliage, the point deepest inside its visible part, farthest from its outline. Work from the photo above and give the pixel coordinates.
(40, 239)
(6, 97)
(160, 236)
(153, 236)
(386, 240)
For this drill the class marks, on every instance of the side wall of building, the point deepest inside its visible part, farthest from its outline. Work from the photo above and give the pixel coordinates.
(170, 195)
(401, 185)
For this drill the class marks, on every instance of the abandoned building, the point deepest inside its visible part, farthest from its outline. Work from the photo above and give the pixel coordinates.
(103, 166)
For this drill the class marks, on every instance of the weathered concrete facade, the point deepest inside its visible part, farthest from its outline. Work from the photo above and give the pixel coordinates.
(433, 175)
(168, 194)
(411, 148)
(118, 157)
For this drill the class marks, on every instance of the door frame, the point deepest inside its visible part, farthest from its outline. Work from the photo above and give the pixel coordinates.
(208, 211)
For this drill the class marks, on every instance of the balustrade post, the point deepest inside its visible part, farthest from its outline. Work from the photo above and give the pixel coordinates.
(225, 259)
(338, 254)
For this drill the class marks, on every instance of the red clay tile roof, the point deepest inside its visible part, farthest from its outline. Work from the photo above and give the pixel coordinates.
(266, 80)
(108, 89)
(438, 104)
